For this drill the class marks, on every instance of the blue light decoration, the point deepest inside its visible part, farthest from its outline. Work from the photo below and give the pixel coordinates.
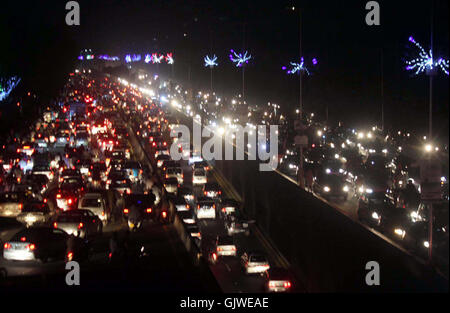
(239, 59)
(80, 57)
(425, 61)
(157, 59)
(211, 62)
(107, 57)
(299, 67)
(132, 58)
(169, 58)
(6, 86)
(148, 58)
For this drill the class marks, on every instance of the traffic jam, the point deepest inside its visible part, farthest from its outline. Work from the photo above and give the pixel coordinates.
(100, 163)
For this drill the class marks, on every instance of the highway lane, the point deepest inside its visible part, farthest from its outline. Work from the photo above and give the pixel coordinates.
(228, 271)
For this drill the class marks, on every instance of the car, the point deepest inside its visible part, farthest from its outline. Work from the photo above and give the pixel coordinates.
(170, 164)
(95, 203)
(277, 279)
(200, 165)
(66, 199)
(206, 208)
(171, 185)
(175, 172)
(43, 170)
(81, 223)
(181, 204)
(228, 206)
(199, 177)
(254, 263)
(161, 151)
(69, 173)
(120, 184)
(40, 244)
(235, 224)
(143, 202)
(225, 246)
(11, 203)
(194, 231)
(82, 139)
(75, 184)
(133, 170)
(35, 213)
(161, 159)
(83, 165)
(378, 210)
(417, 239)
(38, 182)
(187, 217)
(212, 190)
(331, 186)
(186, 193)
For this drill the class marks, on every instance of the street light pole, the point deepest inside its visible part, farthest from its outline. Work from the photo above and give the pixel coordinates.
(301, 181)
(430, 133)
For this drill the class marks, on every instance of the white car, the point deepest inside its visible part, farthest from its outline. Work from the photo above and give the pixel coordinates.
(199, 177)
(95, 203)
(254, 263)
(206, 208)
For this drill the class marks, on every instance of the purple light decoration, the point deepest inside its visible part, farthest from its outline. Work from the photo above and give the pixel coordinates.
(299, 67)
(80, 57)
(239, 59)
(148, 58)
(425, 62)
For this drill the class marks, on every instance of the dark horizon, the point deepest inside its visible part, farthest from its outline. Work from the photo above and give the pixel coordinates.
(347, 77)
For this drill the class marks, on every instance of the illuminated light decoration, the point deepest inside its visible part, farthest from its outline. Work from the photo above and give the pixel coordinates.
(210, 62)
(107, 57)
(425, 61)
(239, 59)
(299, 67)
(157, 59)
(7, 86)
(132, 58)
(148, 58)
(89, 57)
(80, 57)
(169, 58)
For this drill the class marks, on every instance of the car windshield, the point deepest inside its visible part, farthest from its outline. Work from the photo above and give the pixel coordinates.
(91, 202)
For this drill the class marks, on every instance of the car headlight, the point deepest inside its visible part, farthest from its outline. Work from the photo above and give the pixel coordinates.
(426, 244)
(326, 189)
(361, 189)
(345, 188)
(400, 232)
(375, 216)
(369, 191)
(328, 171)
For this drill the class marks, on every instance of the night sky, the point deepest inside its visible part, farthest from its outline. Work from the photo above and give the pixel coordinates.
(41, 48)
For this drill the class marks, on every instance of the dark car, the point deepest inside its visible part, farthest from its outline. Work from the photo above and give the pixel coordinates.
(145, 203)
(82, 223)
(212, 190)
(331, 186)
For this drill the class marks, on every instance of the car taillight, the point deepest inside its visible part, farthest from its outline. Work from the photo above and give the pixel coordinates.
(220, 192)
(219, 249)
(214, 256)
(69, 201)
(45, 200)
(103, 213)
(20, 206)
(55, 225)
(31, 246)
(205, 193)
(287, 284)
(233, 248)
(58, 196)
(164, 214)
(80, 225)
(154, 144)
(7, 246)
(187, 206)
(149, 210)
(70, 256)
(125, 211)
